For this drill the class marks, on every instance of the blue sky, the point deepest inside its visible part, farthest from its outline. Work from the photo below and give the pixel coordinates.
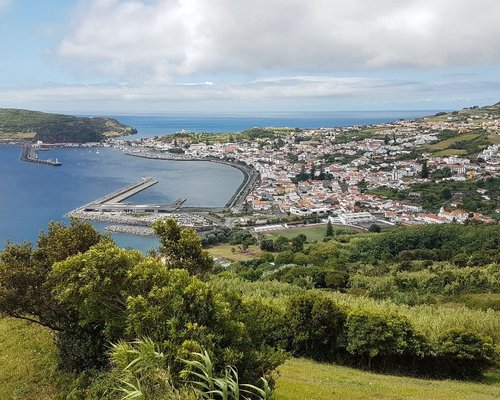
(167, 56)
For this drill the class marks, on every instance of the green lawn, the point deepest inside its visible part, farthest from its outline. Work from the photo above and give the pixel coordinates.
(495, 139)
(225, 251)
(28, 361)
(444, 144)
(450, 152)
(307, 380)
(314, 233)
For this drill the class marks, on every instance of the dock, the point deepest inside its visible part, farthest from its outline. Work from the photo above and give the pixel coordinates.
(129, 191)
(30, 154)
(113, 202)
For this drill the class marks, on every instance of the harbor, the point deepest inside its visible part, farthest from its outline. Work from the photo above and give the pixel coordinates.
(113, 202)
(137, 218)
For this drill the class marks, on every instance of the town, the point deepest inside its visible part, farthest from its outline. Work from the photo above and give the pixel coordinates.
(356, 175)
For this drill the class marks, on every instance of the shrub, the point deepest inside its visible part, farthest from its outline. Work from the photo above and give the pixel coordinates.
(464, 354)
(314, 323)
(386, 339)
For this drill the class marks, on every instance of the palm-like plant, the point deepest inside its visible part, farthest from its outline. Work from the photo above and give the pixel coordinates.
(143, 373)
(201, 374)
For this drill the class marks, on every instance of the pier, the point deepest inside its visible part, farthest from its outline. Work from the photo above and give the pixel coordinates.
(112, 203)
(30, 154)
(125, 193)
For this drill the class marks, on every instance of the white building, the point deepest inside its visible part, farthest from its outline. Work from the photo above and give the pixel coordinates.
(352, 218)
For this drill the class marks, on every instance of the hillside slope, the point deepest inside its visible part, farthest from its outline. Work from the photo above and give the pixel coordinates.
(58, 128)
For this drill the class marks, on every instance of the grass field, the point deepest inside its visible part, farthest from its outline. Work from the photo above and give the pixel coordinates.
(444, 144)
(495, 139)
(27, 361)
(314, 233)
(307, 380)
(225, 251)
(450, 152)
(17, 136)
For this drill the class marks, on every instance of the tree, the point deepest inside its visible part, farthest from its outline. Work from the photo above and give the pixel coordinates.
(464, 354)
(329, 229)
(446, 193)
(370, 334)
(374, 228)
(102, 294)
(297, 243)
(281, 243)
(26, 291)
(362, 185)
(314, 323)
(425, 170)
(267, 244)
(312, 174)
(25, 287)
(129, 296)
(181, 248)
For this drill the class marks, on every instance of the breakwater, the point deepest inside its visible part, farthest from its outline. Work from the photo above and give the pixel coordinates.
(30, 154)
(137, 218)
(125, 193)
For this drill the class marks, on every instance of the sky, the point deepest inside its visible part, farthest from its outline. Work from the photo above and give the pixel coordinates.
(227, 56)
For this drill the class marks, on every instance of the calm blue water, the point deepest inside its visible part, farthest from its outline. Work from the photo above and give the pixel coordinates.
(31, 195)
(151, 125)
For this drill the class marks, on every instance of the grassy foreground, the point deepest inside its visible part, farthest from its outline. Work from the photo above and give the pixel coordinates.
(27, 361)
(307, 380)
(28, 372)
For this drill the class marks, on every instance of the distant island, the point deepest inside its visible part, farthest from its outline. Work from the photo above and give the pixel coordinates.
(17, 124)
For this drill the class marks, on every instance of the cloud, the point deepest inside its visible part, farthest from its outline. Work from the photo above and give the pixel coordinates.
(167, 40)
(297, 92)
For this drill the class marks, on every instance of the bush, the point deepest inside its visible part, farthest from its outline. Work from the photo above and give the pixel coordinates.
(267, 244)
(81, 348)
(464, 354)
(314, 323)
(384, 339)
(285, 257)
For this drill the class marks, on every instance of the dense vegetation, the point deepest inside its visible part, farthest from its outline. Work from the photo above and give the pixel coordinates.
(29, 371)
(174, 313)
(57, 128)
(481, 196)
(91, 293)
(249, 135)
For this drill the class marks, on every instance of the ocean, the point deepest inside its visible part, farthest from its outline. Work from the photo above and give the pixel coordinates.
(31, 195)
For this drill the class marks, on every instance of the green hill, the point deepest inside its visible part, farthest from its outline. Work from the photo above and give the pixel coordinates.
(301, 379)
(57, 128)
(470, 130)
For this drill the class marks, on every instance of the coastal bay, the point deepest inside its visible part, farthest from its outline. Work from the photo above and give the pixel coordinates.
(37, 194)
